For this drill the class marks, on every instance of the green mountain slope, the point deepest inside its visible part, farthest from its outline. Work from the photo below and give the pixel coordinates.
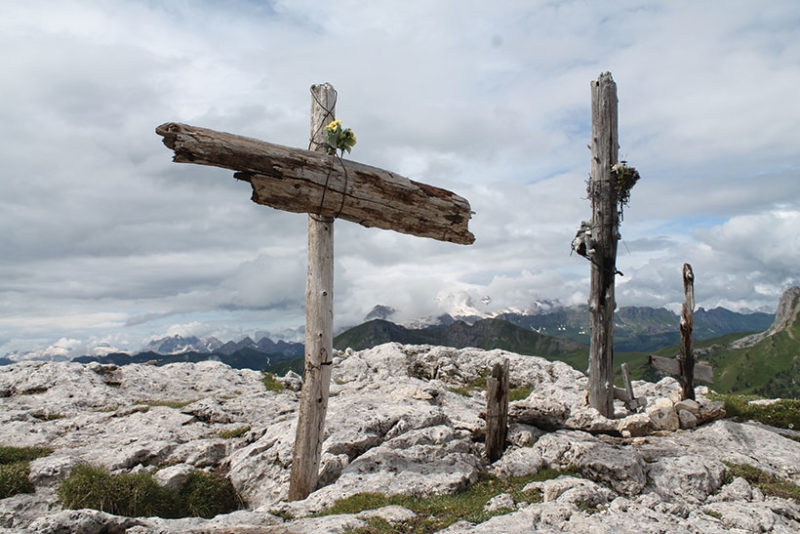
(485, 334)
(641, 328)
(766, 364)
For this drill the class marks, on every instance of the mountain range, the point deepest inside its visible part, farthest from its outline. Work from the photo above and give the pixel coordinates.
(723, 337)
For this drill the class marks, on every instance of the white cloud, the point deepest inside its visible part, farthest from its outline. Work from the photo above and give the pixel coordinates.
(100, 235)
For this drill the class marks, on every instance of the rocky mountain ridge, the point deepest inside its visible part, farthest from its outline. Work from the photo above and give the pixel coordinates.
(401, 420)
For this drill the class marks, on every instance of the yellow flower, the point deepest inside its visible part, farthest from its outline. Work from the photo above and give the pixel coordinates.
(334, 126)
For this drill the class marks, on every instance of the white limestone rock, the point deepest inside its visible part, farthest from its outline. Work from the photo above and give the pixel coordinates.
(503, 501)
(662, 415)
(689, 477)
(174, 476)
(393, 426)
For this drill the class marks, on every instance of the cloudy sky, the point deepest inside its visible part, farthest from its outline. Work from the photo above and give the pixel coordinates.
(105, 241)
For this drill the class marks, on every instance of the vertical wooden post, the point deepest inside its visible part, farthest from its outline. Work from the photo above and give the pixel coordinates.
(626, 378)
(605, 232)
(319, 321)
(687, 326)
(496, 411)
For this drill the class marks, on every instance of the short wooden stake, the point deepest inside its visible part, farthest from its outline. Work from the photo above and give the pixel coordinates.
(496, 411)
(605, 232)
(319, 322)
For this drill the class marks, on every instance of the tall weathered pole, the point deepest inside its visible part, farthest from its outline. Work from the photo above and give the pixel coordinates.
(319, 321)
(687, 326)
(605, 234)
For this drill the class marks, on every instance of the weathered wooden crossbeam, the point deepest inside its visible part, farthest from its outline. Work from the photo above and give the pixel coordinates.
(672, 366)
(303, 181)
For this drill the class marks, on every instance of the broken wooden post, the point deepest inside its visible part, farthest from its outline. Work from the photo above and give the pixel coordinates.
(684, 368)
(319, 321)
(326, 187)
(605, 233)
(496, 411)
(687, 326)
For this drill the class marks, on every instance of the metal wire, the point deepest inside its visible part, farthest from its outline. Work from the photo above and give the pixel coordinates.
(320, 126)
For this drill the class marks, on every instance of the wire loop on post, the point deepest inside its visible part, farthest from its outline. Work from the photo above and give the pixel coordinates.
(320, 126)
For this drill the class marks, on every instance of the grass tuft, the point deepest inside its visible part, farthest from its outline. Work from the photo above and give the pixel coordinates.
(10, 455)
(15, 466)
(136, 495)
(14, 479)
(272, 383)
(207, 495)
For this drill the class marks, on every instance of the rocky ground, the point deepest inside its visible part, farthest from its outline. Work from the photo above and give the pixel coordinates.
(394, 426)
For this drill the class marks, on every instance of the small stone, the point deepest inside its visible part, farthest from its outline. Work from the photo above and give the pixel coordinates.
(174, 476)
(711, 410)
(687, 419)
(663, 416)
(504, 501)
(689, 405)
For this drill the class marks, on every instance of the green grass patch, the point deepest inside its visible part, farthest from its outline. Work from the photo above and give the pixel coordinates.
(10, 455)
(464, 392)
(271, 382)
(207, 495)
(515, 394)
(136, 495)
(234, 433)
(784, 413)
(15, 466)
(436, 512)
(14, 479)
(712, 513)
(768, 484)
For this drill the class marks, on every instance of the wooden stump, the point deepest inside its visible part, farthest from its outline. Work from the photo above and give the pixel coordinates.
(496, 411)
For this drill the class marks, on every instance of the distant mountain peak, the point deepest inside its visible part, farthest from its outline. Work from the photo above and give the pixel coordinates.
(786, 316)
(379, 312)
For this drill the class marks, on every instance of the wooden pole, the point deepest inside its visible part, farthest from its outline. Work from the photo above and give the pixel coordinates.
(605, 232)
(687, 326)
(497, 411)
(319, 321)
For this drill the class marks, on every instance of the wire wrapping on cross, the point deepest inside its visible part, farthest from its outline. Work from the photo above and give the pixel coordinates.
(327, 118)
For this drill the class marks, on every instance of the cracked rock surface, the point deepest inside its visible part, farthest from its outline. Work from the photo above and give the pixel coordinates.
(398, 422)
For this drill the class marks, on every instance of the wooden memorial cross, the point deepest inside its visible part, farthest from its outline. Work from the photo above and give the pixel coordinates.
(326, 187)
(684, 367)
